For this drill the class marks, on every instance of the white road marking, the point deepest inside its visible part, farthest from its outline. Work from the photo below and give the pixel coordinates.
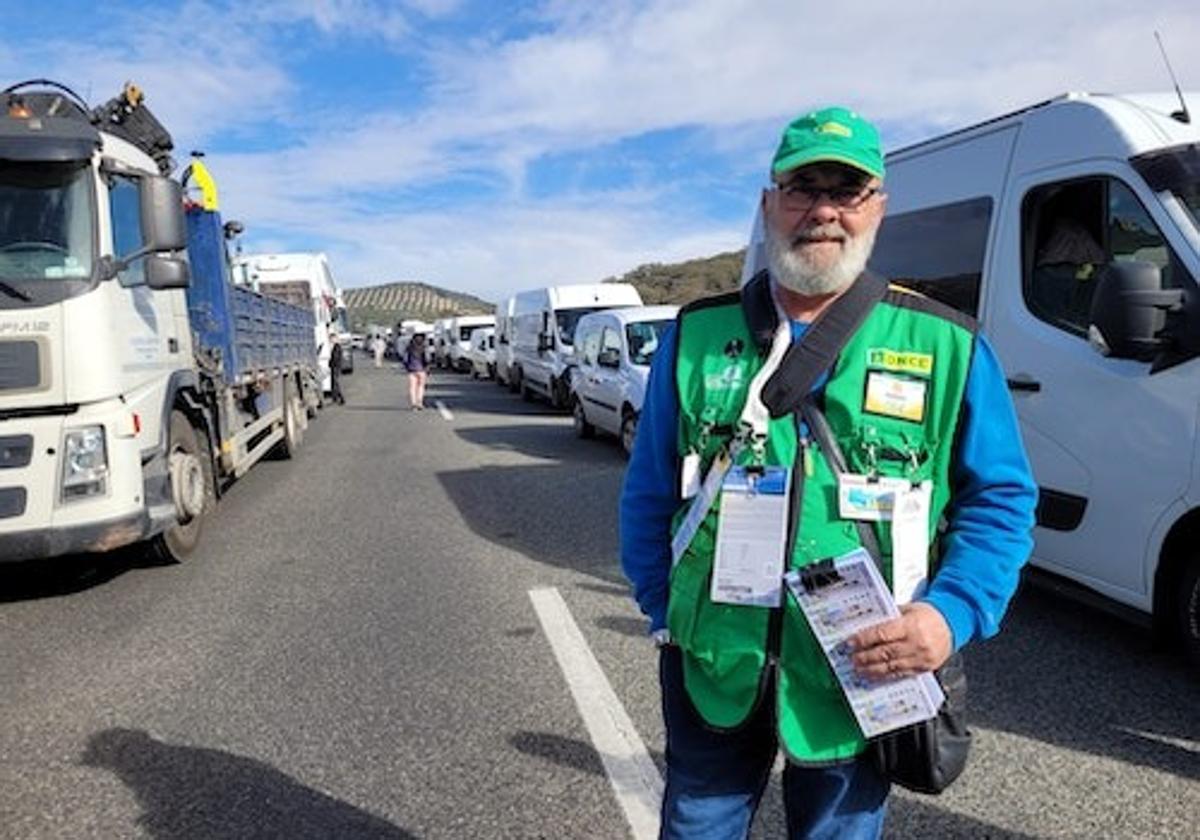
(630, 769)
(442, 410)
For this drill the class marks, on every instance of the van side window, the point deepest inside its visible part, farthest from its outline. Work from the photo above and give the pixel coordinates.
(611, 341)
(1071, 229)
(125, 209)
(591, 346)
(937, 251)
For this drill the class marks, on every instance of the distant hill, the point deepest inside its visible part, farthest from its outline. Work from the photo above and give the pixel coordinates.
(391, 303)
(684, 282)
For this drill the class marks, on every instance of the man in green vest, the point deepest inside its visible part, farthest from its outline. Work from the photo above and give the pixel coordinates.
(912, 395)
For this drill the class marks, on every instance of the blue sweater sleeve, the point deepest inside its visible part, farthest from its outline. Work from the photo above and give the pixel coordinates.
(991, 513)
(650, 495)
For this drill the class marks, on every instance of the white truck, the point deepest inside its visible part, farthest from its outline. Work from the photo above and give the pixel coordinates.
(543, 334)
(289, 276)
(1071, 230)
(136, 379)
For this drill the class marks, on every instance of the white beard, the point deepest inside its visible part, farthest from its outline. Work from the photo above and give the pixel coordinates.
(796, 272)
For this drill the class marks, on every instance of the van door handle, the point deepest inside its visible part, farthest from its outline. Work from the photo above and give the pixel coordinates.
(1024, 385)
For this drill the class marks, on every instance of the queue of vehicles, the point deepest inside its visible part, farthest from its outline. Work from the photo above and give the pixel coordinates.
(137, 377)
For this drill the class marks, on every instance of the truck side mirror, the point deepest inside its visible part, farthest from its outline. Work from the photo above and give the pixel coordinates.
(163, 272)
(161, 202)
(1129, 310)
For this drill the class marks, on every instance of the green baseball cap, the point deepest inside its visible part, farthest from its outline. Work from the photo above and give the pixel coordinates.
(830, 134)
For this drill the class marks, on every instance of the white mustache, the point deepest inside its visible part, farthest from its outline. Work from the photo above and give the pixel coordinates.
(829, 231)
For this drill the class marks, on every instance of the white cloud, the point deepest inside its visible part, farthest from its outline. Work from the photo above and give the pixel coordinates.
(590, 75)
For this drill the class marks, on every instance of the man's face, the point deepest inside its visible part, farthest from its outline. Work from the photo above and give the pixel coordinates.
(821, 222)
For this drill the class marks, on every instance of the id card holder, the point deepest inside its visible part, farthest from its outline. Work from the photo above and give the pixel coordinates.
(910, 542)
(751, 537)
(701, 504)
(868, 499)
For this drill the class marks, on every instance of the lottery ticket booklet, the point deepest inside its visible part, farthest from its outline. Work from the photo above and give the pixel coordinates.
(839, 597)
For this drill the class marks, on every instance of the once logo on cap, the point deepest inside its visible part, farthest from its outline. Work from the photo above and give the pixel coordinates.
(834, 128)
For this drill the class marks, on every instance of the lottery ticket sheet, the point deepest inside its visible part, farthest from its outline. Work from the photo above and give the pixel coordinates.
(839, 600)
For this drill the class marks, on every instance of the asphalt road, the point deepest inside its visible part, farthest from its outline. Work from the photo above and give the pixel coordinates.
(353, 653)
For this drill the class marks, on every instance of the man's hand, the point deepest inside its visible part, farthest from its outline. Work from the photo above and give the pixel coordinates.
(918, 641)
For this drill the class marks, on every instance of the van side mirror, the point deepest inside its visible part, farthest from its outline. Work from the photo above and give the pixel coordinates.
(609, 357)
(1129, 311)
(545, 342)
(163, 228)
(163, 272)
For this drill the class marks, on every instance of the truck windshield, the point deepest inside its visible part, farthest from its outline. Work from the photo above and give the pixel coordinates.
(1176, 170)
(567, 319)
(46, 231)
(643, 338)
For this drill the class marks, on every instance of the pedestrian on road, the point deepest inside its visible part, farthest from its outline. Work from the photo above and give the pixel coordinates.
(335, 369)
(910, 392)
(378, 345)
(414, 363)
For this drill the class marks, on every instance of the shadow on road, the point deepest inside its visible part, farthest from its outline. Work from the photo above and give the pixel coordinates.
(55, 577)
(550, 441)
(200, 793)
(1069, 675)
(566, 752)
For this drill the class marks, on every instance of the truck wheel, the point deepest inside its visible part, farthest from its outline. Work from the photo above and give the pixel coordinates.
(583, 428)
(190, 472)
(293, 423)
(629, 425)
(1189, 612)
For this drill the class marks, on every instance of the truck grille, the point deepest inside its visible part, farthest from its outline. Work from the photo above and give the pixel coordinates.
(18, 365)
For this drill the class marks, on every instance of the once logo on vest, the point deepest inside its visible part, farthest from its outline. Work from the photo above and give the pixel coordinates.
(899, 361)
(726, 380)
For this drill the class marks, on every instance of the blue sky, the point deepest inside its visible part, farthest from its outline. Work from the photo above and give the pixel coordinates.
(492, 146)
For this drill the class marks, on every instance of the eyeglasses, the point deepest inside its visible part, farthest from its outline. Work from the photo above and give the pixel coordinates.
(799, 196)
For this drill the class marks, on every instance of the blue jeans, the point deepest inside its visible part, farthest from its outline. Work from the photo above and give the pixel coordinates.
(715, 780)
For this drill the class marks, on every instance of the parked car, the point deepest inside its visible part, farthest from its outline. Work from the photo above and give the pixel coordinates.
(613, 349)
(482, 352)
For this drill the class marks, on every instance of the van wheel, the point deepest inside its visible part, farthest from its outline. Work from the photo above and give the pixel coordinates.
(583, 428)
(514, 379)
(190, 471)
(629, 424)
(1189, 612)
(526, 391)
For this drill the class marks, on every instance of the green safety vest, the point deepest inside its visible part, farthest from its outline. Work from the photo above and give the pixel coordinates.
(722, 343)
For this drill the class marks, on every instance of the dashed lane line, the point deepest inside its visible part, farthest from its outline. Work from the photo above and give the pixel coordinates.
(630, 769)
(447, 415)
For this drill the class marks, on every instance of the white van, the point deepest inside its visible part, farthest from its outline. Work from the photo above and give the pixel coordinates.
(543, 333)
(504, 354)
(482, 352)
(441, 342)
(458, 339)
(613, 350)
(1069, 229)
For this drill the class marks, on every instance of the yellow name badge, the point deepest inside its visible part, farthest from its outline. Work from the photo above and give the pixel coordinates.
(895, 396)
(881, 358)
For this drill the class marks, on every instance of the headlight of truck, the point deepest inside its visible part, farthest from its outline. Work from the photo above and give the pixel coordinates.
(85, 463)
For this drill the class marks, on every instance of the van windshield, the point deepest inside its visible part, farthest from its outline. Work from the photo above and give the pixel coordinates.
(1176, 170)
(643, 338)
(568, 319)
(46, 222)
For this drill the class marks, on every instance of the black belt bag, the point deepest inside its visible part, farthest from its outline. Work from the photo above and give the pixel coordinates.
(925, 757)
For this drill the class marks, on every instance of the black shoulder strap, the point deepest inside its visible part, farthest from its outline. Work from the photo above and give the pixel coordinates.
(818, 426)
(806, 359)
